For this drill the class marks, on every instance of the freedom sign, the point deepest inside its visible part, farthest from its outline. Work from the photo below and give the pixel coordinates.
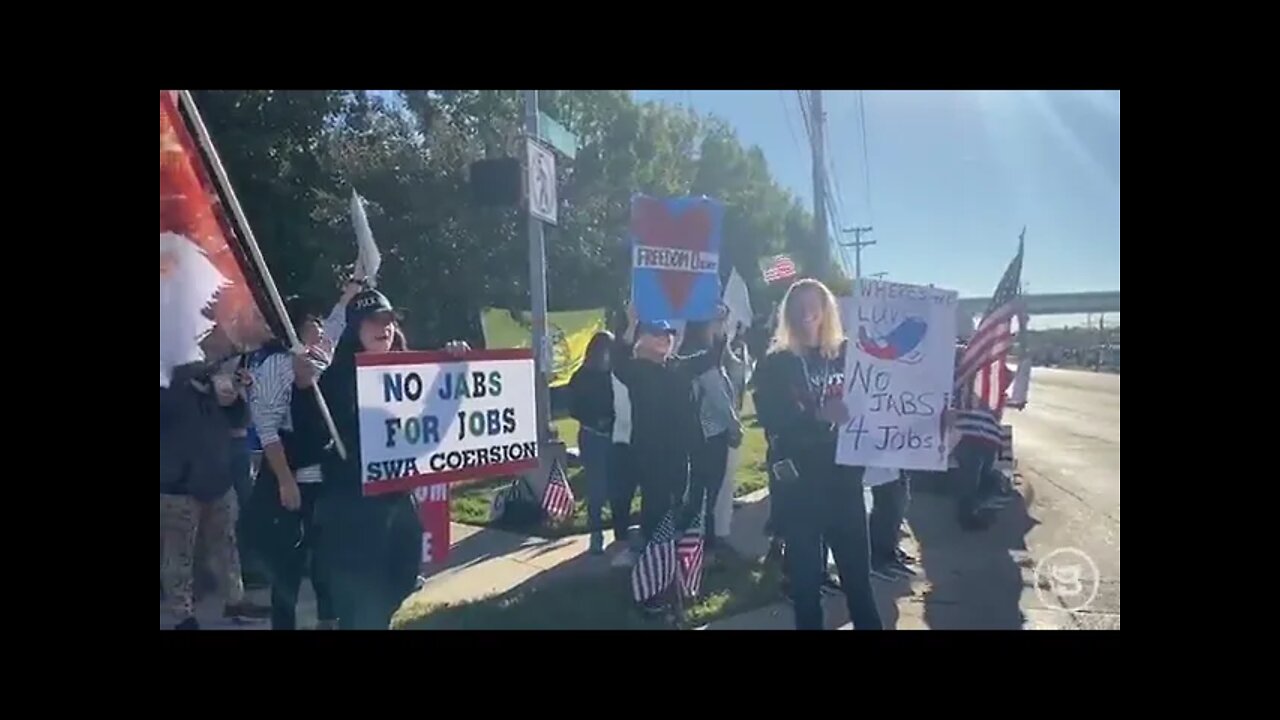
(432, 417)
(899, 368)
(675, 250)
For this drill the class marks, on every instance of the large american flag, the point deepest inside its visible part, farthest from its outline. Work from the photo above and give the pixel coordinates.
(557, 499)
(777, 268)
(982, 375)
(689, 553)
(656, 567)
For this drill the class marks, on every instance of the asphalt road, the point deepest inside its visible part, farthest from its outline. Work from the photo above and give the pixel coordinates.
(1067, 445)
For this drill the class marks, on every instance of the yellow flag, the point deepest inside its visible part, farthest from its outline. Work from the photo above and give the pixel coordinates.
(568, 332)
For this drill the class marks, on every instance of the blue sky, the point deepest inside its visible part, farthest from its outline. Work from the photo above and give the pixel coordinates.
(954, 175)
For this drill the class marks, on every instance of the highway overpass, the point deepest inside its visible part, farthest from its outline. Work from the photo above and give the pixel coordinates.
(1053, 303)
(1045, 304)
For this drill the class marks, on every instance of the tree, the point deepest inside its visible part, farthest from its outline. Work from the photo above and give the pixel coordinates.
(294, 158)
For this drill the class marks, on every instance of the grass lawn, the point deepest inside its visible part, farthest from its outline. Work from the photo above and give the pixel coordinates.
(602, 599)
(601, 602)
(470, 503)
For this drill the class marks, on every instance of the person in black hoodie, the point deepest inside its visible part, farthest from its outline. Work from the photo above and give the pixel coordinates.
(591, 404)
(370, 548)
(664, 416)
(197, 412)
(799, 400)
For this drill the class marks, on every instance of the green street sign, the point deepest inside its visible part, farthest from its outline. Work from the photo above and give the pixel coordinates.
(557, 135)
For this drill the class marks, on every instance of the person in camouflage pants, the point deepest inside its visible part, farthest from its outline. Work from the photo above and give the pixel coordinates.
(197, 498)
(182, 519)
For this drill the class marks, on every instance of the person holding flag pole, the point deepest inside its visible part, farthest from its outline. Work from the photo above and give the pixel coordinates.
(245, 233)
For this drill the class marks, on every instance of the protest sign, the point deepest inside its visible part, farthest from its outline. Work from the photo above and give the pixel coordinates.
(898, 375)
(433, 417)
(675, 246)
(433, 513)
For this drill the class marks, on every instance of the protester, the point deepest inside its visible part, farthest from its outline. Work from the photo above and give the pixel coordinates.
(800, 405)
(737, 368)
(624, 476)
(664, 418)
(718, 421)
(976, 448)
(291, 481)
(370, 547)
(197, 412)
(890, 495)
(591, 404)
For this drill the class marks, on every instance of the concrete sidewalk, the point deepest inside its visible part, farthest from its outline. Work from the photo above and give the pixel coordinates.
(967, 580)
(981, 580)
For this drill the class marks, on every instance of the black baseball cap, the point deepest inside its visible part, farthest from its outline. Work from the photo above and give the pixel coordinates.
(366, 303)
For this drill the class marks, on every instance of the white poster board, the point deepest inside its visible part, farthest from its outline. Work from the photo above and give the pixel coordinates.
(898, 375)
(431, 417)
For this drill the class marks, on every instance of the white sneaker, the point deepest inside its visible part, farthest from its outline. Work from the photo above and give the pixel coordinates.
(624, 559)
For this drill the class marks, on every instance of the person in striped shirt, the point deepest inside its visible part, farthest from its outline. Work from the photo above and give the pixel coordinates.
(290, 482)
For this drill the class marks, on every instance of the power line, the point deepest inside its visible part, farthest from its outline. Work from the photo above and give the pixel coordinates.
(786, 114)
(866, 163)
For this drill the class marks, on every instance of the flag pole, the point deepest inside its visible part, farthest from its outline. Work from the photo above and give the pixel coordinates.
(220, 174)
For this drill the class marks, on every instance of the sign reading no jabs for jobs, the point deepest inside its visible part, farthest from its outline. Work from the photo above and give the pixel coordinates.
(432, 417)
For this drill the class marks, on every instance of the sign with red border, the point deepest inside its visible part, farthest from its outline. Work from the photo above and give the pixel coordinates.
(433, 417)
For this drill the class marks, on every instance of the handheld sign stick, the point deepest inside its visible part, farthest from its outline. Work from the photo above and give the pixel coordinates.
(220, 174)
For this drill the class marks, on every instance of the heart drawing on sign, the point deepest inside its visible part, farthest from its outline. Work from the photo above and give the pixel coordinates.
(654, 225)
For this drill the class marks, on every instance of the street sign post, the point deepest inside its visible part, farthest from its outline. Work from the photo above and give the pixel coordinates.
(557, 136)
(542, 182)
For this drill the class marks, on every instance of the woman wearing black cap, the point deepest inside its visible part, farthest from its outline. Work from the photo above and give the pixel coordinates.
(370, 547)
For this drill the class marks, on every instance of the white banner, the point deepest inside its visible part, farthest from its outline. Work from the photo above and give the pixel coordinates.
(898, 375)
(738, 301)
(430, 417)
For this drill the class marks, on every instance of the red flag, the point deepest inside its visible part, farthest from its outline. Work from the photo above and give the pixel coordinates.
(208, 308)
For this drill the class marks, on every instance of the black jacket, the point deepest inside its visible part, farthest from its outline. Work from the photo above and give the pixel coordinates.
(360, 533)
(664, 415)
(788, 390)
(591, 399)
(195, 440)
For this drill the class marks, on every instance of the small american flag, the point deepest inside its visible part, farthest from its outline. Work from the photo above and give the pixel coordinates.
(982, 376)
(656, 567)
(557, 499)
(689, 552)
(777, 268)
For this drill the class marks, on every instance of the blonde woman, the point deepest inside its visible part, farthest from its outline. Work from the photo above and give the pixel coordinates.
(799, 398)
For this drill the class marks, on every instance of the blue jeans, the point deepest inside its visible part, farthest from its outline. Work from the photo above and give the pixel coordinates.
(596, 451)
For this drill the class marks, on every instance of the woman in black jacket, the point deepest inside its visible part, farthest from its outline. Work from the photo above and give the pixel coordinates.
(370, 547)
(591, 404)
(799, 398)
